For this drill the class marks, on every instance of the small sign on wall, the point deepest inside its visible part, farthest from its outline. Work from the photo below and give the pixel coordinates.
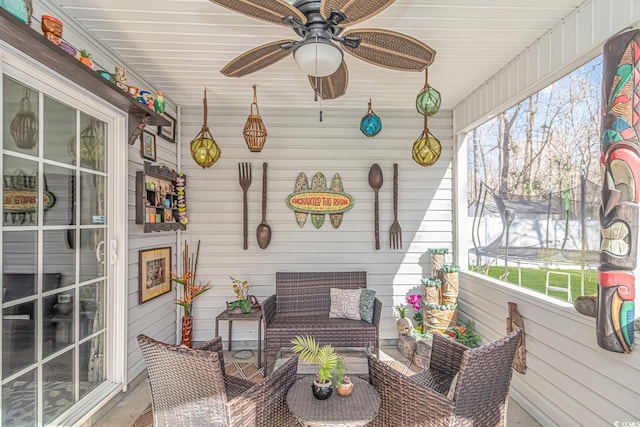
(317, 200)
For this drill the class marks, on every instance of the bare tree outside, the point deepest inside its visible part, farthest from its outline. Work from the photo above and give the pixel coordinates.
(532, 159)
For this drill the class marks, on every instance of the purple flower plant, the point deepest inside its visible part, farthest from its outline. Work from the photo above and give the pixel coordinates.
(414, 301)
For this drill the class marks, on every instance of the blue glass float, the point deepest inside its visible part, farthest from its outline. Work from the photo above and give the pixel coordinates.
(428, 101)
(371, 124)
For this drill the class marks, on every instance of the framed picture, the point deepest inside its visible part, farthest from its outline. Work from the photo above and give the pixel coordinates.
(148, 146)
(154, 273)
(168, 132)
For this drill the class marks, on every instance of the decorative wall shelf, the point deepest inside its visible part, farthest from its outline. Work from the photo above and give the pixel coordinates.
(156, 199)
(33, 44)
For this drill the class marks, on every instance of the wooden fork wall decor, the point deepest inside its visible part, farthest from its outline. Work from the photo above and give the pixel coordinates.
(244, 172)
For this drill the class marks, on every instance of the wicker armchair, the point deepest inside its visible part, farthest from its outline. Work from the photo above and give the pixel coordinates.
(480, 393)
(189, 388)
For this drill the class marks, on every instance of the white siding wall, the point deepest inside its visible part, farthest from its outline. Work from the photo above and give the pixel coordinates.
(570, 381)
(568, 45)
(156, 317)
(298, 142)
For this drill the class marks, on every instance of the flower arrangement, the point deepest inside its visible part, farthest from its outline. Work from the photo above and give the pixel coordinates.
(190, 290)
(244, 300)
(241, 288)
(465, 333)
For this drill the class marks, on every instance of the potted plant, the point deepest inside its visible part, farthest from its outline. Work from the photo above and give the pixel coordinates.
(325, 357)
(344, 386)
(245, 303)
(85, 58)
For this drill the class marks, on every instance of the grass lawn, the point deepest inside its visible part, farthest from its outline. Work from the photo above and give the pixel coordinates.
(535, 278)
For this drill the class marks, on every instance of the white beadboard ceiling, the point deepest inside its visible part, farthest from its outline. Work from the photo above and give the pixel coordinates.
(181, 45)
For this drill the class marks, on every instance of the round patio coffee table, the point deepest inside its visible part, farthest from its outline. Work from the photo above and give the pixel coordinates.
(355, 410)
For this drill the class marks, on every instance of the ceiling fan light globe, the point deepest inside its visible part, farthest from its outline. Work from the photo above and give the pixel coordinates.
(329, 58)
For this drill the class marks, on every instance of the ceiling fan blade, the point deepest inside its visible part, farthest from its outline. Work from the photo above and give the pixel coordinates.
(334, 85)
(257, 59)
(268, 10)
(355, 10)
(389, 49)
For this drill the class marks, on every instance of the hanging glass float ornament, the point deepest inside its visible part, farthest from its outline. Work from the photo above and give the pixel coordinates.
(24, 126)
(255, 132)
(370, 125)
(428, 100)
(91, 145)
(427, 148)
(204, 150)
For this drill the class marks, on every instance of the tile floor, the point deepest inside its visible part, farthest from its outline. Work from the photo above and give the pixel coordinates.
(137, 399)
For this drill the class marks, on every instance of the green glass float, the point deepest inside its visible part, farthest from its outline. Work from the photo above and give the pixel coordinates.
(371, 124)
(428, 101)
(204, 150)
(427, 149)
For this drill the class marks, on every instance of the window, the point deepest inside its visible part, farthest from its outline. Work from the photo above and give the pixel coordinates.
(534, 188)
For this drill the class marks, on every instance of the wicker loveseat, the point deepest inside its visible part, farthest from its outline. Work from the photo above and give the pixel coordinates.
(301, 306)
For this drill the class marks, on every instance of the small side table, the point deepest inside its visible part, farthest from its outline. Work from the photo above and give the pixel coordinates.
(230, 317)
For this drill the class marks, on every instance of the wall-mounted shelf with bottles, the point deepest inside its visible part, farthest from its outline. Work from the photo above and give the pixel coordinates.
(157, 199)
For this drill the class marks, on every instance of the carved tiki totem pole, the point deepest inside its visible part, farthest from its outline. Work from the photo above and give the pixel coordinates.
(619, 218)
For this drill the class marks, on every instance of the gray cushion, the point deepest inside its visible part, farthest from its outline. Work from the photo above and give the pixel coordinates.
(367, 301)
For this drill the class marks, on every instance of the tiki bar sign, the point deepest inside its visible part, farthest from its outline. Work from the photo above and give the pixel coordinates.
(317, 200)
(323, 202)
(20, 198)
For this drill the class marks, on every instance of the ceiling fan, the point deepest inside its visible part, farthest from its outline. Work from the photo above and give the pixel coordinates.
(321, 25)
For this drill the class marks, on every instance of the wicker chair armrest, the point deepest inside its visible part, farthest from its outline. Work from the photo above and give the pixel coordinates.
(446, 355)
(214, 345)
(268, 398)
(404, 402)
(269, 309)
(377, 312)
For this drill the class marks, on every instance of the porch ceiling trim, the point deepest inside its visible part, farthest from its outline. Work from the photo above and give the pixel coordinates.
(578, 38)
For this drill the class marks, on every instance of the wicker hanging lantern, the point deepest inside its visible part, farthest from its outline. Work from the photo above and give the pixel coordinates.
(24, 126)
(371, 124)
(428, 100)
(255, 133)
(427, 148)
(204, 150)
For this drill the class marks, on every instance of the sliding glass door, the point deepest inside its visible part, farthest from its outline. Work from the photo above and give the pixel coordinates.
(54, 277)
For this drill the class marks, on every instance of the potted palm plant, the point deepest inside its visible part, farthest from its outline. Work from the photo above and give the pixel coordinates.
(325, 357)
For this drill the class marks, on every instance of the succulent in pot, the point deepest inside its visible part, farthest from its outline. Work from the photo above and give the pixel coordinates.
(343, 383)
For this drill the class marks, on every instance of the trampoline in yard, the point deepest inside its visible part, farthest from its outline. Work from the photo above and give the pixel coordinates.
(553, 233)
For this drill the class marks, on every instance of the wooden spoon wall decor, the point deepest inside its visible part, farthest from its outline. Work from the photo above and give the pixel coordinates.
(375, 181)
(263, 232)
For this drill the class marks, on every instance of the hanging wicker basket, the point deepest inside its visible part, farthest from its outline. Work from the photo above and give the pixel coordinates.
(204, 150)
(255, 132)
